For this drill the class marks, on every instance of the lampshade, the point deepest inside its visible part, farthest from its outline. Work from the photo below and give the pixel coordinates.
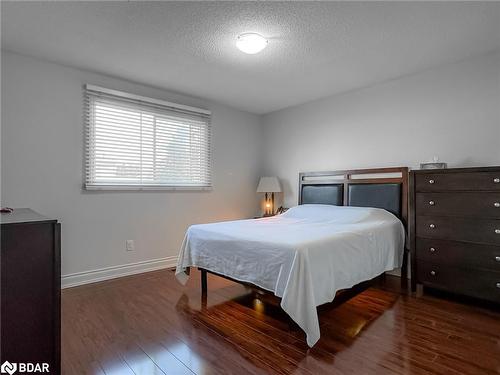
(269, 185)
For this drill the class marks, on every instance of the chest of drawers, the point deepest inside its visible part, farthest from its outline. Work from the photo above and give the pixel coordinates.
(455, 230)
(30, 289)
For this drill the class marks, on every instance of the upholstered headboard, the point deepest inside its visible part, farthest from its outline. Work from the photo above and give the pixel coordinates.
(385, 188)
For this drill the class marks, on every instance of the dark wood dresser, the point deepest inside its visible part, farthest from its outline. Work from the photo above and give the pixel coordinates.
(455, 231)
(30, 289)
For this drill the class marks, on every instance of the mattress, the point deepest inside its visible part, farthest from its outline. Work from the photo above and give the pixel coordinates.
(303, 256)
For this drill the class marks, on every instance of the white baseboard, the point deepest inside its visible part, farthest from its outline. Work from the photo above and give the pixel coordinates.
(101, 274)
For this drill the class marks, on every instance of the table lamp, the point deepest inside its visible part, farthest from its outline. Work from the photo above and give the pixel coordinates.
(269, 185)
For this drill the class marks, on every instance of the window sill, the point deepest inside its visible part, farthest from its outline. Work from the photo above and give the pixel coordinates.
(144, 188)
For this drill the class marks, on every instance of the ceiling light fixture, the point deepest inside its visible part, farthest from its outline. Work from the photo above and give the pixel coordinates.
(251, 43)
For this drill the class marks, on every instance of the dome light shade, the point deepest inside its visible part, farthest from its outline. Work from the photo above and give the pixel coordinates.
(251, 43)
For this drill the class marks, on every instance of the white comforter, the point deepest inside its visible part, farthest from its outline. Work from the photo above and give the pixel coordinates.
(303, 256)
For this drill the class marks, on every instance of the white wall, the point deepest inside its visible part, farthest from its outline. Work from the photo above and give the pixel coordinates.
(42, 153)
(452, 112)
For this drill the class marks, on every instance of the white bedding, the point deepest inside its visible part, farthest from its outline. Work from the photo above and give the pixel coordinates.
(303, 256)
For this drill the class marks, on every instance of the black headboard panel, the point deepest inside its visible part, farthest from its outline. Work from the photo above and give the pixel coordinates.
(323, 194)
(386, 196)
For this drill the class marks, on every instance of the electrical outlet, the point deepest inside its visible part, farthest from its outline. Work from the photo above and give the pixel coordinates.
(129, 245)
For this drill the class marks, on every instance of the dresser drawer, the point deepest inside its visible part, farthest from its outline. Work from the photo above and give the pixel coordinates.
(485, 181)
(458, 254)
(475, 283)
(459, 204)
(485, 231)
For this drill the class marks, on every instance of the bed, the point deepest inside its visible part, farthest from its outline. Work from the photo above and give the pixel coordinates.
(349, 227)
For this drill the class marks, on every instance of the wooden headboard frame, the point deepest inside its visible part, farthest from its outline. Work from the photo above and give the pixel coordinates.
(392, 175)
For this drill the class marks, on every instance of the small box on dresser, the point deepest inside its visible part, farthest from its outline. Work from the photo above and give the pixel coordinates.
(455, 231)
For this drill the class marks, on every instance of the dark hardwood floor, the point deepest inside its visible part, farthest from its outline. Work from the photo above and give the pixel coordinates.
(150, 324)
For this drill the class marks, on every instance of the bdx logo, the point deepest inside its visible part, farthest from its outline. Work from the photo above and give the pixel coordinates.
(11, 368)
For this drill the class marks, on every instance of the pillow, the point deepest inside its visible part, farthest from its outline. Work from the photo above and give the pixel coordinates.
(339, 214)
(314, 211)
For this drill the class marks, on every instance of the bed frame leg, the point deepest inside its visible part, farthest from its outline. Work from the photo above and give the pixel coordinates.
(203, 281)
(404, 271)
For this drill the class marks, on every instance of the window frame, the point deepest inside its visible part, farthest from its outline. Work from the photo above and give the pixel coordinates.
(117, 95)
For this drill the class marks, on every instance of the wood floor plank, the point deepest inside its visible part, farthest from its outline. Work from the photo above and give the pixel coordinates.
(150, 324)
(202, 338)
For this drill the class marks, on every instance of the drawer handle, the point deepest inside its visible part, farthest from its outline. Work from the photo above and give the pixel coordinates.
(432, 226)
(497, 259)
(496, 180)
(498, 285)
(497, 231)
(433, 250)
(433, 273)
(432, 203)
(496, 204)
(431, 182)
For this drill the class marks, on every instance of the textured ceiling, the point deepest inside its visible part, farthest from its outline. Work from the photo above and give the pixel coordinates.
(315, 48)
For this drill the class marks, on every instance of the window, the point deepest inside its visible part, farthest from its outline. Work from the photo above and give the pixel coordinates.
(134, 142)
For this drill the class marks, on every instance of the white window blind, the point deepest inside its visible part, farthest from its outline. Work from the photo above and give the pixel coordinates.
(134, 142)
